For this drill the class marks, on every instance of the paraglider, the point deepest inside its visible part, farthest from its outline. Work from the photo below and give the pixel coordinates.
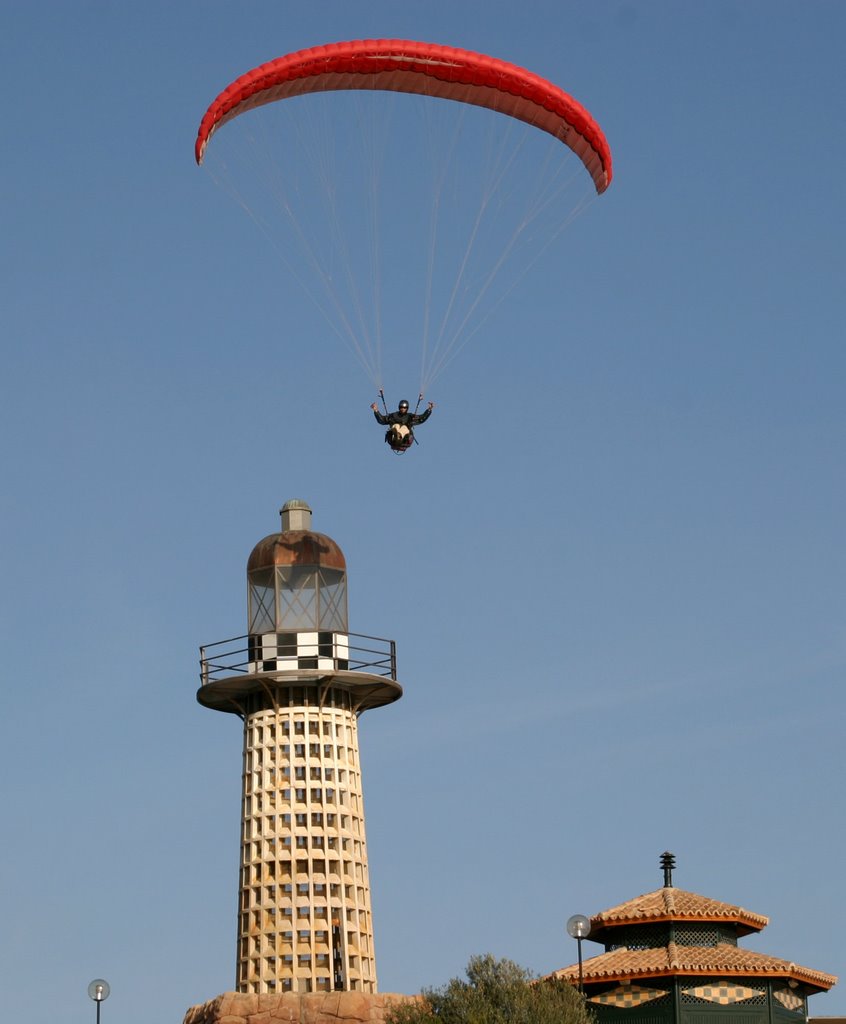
(400, 433)
(350, 290)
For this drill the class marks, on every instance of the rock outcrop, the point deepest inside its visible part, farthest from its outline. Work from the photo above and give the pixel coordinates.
(295, 1008)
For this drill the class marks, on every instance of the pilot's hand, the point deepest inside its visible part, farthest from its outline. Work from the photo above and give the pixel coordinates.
(431, 406)
(374, 407)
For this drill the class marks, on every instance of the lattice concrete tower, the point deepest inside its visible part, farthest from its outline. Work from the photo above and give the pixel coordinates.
(299, 681)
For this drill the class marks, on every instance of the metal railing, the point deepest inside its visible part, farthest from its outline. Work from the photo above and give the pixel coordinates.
(248, 655)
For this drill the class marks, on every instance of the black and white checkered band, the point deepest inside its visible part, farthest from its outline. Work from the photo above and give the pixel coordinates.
(287, 652)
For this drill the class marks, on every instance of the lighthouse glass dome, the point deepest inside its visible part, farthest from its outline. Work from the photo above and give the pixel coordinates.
(296, 597)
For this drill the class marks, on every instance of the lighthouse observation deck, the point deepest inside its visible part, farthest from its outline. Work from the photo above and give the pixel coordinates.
(365, 666)
(289, 651)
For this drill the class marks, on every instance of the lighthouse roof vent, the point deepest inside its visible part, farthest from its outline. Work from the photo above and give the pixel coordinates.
(296, 515)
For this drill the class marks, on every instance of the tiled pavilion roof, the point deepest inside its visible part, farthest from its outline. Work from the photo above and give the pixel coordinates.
(616, 977)
(673, 960)
(671, 904)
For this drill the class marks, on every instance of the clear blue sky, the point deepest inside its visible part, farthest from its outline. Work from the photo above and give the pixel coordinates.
(625, 637)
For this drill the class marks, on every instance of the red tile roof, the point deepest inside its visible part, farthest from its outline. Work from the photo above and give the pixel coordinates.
(671, 904)
(675, 960)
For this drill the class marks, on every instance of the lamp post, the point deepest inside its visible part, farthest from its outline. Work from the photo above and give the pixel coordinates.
(578, 928)
(98, 990)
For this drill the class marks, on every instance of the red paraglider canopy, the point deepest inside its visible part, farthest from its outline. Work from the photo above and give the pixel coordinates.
(428, 69)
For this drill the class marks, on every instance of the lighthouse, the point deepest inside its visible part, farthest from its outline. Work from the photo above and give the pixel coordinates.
(299, 680)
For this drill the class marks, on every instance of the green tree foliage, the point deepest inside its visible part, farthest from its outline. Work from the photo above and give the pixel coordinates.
(495, 992)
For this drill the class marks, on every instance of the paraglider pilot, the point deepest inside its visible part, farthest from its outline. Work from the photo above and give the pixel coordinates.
(400, 424)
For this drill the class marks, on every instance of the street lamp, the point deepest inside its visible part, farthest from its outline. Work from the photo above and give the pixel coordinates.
(98, 990)
(578, 928)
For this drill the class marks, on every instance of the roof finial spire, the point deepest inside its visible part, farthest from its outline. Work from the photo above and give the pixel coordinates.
(668, 862)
